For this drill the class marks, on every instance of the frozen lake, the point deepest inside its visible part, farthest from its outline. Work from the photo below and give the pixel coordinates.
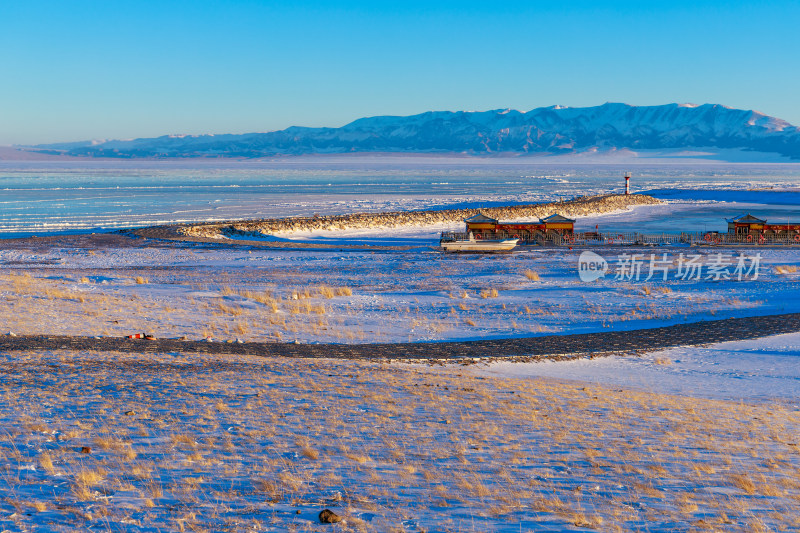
(46, 197)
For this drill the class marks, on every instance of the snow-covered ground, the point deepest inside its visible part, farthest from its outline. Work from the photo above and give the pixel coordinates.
(361, 296)
(763, 370)
(700, 438)
(154, 442)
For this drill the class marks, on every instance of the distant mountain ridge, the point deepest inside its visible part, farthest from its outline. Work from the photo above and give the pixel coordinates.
(550, 130)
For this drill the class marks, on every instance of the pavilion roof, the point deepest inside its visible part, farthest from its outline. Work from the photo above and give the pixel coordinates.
(480, 218)
(557, 218)
(747, 219)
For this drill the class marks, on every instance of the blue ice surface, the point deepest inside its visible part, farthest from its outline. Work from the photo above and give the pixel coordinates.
(38, 198)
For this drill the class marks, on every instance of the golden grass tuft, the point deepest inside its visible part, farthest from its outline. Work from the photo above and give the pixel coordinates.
(60, 294)
(310, 453)
(592, 522)
(90, 477)
(46, 462)
(785, 269)
(531, 275)
(229, 309)
(743, 482)
(326, 292)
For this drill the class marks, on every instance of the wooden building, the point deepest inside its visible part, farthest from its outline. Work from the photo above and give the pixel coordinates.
(750, 225)
(559, 224)
(480, 223)
(484, 227)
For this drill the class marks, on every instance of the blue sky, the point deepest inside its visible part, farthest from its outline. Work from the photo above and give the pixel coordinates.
(117, 69)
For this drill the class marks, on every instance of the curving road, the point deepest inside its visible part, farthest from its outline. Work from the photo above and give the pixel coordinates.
(553, 347)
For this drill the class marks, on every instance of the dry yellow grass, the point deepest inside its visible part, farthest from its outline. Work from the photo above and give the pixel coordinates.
(531, 275)
(239, 434)
(230, 310)
(743, 482)
(254, 302)
(326, 292)
(785, 269)
(59, 294)
(46, 462)
(44, 305)
(310, 453)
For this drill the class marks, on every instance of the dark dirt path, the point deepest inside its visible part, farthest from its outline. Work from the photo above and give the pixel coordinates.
(553, 347)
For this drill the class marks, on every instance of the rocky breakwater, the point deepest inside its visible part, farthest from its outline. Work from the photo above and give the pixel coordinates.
(583, 206)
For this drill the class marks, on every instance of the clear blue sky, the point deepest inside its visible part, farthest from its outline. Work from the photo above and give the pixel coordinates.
(74, 70)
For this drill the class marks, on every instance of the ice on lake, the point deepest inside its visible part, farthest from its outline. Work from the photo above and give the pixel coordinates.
(44, 197)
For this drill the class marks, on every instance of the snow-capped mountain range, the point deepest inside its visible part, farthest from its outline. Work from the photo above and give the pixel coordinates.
(550, 130)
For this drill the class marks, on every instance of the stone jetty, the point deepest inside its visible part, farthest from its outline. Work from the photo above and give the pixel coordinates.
(582, 206)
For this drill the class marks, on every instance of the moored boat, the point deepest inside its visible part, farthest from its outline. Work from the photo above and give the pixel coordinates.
(471, 244)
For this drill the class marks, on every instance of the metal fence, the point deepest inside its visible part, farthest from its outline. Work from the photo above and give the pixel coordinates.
(634, 238)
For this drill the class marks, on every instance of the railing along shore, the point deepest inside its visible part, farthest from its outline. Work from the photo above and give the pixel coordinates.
(634, 238)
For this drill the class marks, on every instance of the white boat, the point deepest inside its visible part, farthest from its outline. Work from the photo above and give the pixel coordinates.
(472, 244)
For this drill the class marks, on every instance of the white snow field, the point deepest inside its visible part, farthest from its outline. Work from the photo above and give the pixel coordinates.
(758, 370)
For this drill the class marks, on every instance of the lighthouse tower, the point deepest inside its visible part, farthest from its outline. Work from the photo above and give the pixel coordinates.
(627, 183)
